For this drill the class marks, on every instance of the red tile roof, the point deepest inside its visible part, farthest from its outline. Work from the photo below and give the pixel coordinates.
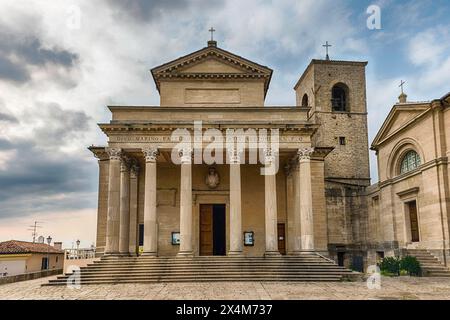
(15, 246)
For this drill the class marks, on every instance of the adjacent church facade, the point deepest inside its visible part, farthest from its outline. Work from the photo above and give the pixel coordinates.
(409, 208)
(319, 197)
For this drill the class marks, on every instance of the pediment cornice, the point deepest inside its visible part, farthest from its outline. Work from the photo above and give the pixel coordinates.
(388, 129)
(178, 68)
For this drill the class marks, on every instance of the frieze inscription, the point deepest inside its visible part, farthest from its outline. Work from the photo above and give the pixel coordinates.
(168, 139)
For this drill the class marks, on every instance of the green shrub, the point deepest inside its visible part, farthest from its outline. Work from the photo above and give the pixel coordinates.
(411, 265)
(390, 265)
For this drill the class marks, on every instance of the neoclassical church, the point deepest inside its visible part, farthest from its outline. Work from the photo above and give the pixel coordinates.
(409, 208)
(319, 200)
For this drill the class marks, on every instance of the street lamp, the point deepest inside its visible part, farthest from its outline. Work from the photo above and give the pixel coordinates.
(49, 240)
(78, 248)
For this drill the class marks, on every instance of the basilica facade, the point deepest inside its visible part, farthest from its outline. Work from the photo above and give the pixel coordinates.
(212, 170)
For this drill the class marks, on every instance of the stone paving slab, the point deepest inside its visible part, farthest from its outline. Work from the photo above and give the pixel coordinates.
(391, 289)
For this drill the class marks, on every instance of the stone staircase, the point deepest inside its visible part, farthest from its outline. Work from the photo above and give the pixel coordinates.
(431, 266)
(113, 270)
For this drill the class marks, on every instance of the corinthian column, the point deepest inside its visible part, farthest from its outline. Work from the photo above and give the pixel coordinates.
(134, 174)
(150, 226)
(297, 214)
(186, 203)
(124, 206)
(271, 218)
(235, 204)
(306, 210)
(113, 215)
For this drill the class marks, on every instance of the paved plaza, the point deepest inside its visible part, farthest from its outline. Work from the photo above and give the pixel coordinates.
(391, 289)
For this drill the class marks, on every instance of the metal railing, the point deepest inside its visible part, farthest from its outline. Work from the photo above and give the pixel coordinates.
(76, 254)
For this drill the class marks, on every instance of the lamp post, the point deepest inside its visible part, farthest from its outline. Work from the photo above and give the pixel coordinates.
(49, 240)
(78, 249)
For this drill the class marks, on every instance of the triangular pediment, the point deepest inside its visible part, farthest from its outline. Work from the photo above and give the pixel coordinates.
(211, 63)
(400, 117)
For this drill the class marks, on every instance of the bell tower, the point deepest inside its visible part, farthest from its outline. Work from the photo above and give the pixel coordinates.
(336, 93)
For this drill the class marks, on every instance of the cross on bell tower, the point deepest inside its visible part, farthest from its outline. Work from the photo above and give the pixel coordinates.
(402, 84)
(402, 97)
(326, 45)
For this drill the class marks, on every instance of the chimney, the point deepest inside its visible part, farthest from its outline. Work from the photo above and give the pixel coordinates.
(402, 98)
(57, 245)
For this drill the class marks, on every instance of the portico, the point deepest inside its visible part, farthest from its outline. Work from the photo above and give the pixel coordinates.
(133, 177)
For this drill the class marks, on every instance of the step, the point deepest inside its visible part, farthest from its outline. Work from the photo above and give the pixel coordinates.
(229, 266)
(328, 279)
(439, 274)
(223, 271)
(309, 267)
(228, 271)
(210, 277)
(213, 261)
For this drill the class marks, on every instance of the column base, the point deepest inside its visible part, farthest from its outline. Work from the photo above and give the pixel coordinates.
(123, 254)
(235, 254)
(272, 254)
(309, 251)
(149, 254)
(187, 254)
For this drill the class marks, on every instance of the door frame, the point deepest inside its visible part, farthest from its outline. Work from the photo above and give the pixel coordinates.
(407, 217)
(212, 225)
(210, 211)
(209, 197)
(284, 237)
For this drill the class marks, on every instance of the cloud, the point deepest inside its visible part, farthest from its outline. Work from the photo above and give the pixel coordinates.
(151, 10)
(33, 180)
(53, 125)
(427, 47)
(8, 118)
(19, 53)
(36, 173)
(13, 71)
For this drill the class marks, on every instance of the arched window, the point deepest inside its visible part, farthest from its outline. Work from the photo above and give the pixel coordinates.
(305, 100)
(410, 161)
(339, 95)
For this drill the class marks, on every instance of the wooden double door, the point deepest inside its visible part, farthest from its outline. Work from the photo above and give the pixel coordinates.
(212, 230)
(414, 221)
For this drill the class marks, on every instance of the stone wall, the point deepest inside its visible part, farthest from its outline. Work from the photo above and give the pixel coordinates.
(212, 93)
(30, 276)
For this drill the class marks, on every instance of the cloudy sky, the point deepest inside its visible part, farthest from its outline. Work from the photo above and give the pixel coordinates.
(62, 62)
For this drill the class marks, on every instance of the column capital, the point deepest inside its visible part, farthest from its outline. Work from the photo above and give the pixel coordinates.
(269, 155)
(114, 153)
(234, 155)
(305, 153)
(101, 155)
(185, 155)
(150, 153)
